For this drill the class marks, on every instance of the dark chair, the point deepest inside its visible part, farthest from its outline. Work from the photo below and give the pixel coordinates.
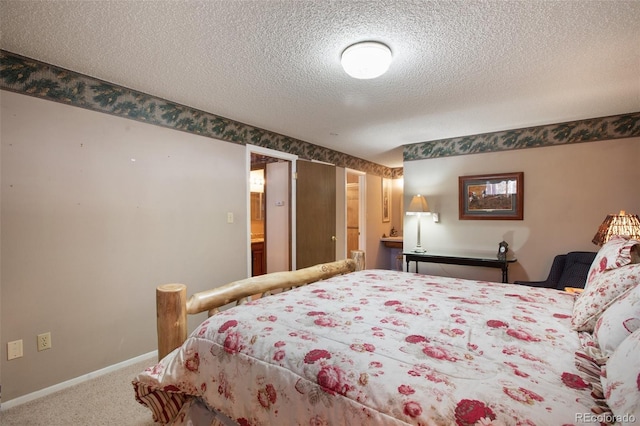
(567, 270)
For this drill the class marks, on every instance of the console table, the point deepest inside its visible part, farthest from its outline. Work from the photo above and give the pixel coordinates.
(463, 259)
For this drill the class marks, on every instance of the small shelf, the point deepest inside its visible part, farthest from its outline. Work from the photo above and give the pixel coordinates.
(392, 242)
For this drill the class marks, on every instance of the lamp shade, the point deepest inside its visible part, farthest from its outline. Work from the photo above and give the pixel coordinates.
(623, 224)
(418, 205)
(366, 60)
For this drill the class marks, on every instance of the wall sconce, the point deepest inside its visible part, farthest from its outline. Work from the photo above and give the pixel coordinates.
(418, 207)
(626, 225)
(256, 181)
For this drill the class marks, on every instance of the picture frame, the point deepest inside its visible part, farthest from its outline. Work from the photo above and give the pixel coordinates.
(497, 196)
(386, 200)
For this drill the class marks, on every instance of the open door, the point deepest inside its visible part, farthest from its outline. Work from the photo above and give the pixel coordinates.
(315, 214)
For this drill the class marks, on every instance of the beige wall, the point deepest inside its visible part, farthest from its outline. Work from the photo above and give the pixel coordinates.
(568, 191)
(87, 233)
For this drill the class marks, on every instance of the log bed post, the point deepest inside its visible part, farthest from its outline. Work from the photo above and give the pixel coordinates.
(171, 317)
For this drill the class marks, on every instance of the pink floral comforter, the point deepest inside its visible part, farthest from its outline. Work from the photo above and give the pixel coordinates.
(385, 348)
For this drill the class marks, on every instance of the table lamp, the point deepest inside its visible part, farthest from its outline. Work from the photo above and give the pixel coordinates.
(418, 207)
(623, 224)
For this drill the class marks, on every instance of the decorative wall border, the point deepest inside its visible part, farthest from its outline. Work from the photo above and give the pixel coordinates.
(591, 130)
(34, 78)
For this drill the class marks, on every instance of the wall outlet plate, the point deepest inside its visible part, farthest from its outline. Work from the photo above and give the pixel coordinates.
(44, 341)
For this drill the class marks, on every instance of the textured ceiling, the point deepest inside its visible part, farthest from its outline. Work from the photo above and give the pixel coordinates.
(459, 67)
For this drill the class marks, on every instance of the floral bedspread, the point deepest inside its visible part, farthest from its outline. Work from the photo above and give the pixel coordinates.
(385, 348)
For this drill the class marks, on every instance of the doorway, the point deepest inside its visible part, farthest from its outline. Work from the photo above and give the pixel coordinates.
(257, 189)
(271, 206)
(355, 216)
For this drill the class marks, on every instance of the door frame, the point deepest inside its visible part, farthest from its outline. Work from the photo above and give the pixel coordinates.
(362, 208)
(292, 223)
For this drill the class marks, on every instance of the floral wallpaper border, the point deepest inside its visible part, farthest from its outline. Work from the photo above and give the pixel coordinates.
(596, 129)
(34, 78)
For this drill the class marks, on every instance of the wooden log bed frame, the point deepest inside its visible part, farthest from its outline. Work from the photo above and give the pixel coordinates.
(172, 306)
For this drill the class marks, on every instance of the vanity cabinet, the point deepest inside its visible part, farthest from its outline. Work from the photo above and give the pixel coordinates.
(258, 260)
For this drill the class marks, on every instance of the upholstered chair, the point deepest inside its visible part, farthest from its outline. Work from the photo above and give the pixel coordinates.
(567, 270)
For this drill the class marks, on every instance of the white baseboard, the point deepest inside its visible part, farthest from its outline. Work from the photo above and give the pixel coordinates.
(92, 375)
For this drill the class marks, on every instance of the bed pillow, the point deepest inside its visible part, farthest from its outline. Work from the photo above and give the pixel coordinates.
(614, 253)
(602, 292)
(618, 321)
(621, 379)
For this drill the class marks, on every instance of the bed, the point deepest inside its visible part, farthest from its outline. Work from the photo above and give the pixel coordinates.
(378, 347)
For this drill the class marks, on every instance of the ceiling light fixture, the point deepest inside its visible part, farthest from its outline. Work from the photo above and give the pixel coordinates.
(366, 60)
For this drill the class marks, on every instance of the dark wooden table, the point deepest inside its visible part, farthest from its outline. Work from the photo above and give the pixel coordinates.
(462, 259)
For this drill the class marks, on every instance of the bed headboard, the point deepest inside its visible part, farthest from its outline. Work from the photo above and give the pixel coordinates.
(172, 306)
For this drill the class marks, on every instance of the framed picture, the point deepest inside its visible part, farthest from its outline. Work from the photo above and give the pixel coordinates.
(386, 200)
(491, 197)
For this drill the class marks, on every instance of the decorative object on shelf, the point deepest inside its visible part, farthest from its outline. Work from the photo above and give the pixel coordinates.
(418, 207)
(366, 60)
(626, 225)
(491, 197)
(386, 200)
(394, 232)
(503, 248)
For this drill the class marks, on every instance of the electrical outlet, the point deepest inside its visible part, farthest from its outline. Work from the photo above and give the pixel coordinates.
(44, 341)
(14, 349)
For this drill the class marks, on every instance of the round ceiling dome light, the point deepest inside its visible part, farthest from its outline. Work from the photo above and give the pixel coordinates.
(366, 60)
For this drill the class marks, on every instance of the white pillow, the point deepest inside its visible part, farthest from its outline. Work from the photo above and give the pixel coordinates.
(605, 288)
(621, 380)
(618, 321)
(618, 251)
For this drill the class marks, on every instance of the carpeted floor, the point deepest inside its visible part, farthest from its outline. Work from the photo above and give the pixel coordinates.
(105, 400)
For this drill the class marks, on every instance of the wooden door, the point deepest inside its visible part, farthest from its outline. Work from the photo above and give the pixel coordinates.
(315, 214)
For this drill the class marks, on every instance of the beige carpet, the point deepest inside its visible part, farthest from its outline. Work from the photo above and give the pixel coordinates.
(104, 400)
